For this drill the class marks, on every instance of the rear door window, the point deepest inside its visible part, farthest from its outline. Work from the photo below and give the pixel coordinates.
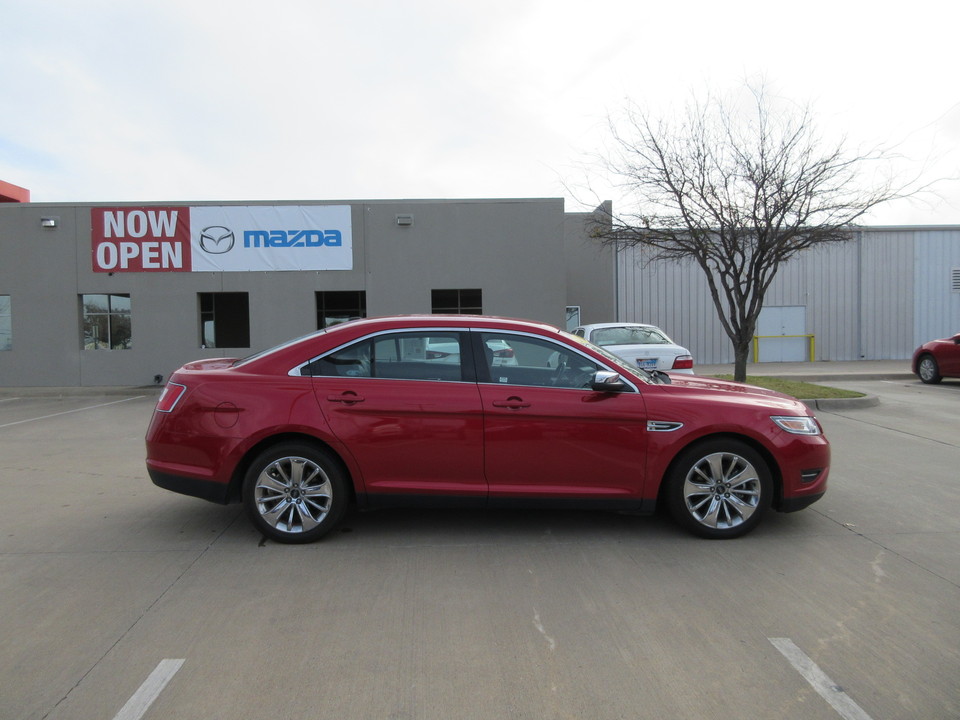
(421, 355)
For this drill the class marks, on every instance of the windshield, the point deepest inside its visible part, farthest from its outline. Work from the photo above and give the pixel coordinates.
(629, 335)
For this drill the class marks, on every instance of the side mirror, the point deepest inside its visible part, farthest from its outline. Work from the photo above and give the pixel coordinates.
(605, 381)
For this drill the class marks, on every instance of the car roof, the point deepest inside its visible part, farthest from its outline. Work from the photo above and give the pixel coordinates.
(598, 326)
(351, 330)
(443, 320)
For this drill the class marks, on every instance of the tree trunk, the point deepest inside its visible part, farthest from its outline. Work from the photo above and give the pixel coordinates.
(741, 353)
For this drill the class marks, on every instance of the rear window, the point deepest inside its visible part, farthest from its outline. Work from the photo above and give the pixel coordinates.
(629, 336)
(281, 346)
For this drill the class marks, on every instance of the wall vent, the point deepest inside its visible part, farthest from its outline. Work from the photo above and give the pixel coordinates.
(955, 279)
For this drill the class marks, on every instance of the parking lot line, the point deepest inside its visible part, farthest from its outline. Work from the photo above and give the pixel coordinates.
(68, 412)
(143, 698)
(825, 687)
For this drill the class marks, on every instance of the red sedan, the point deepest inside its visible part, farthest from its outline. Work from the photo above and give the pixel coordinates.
(364, 413)
(937, 359)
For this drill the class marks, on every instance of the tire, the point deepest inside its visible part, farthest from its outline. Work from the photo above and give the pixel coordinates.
(295, 493)
(928, 370)
(719, 489)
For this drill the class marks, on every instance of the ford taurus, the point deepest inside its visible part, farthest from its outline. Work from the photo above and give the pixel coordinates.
(370, 413)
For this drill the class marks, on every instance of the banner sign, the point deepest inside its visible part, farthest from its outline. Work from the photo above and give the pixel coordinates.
(225, 238)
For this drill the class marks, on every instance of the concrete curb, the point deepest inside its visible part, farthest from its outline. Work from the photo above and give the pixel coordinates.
(842, 403)
(837, 379)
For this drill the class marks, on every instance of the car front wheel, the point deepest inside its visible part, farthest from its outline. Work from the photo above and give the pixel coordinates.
(295, 493)
(928, 370)
(719, 489)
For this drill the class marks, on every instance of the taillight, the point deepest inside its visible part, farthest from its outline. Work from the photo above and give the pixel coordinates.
(505, 353)
(170, 397)
(683, 362)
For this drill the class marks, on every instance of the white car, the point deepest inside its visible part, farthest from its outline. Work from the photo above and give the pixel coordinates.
(449, 352)
(645, 346)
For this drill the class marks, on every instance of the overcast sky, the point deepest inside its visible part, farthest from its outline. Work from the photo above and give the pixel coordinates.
(190, 100)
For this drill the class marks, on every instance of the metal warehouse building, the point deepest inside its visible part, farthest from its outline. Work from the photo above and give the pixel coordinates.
(104, 294)
(118, 294)
(877, 297)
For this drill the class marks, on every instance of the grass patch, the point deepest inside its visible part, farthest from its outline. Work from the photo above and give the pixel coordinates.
(797, 389)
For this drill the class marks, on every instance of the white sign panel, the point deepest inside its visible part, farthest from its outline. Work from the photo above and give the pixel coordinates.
(280, 237)
(222, 238)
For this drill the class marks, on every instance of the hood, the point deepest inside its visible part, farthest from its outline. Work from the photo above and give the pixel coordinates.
(700, 382)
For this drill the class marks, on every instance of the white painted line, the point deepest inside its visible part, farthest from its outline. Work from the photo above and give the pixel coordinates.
(143, 698)
(825, 687)
(67, 412)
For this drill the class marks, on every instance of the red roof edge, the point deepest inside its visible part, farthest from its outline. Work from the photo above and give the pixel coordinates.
(10, 193)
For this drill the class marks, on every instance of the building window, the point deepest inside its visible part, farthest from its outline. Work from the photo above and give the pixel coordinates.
(6, 324)
(573, 317)
(224, 320)
(336, 306)
(106, 322)
(458, 302)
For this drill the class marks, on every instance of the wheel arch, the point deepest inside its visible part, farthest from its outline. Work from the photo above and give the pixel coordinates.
(236, 481)
(776, 475)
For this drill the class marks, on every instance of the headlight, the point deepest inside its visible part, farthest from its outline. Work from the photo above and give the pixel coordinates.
(802, 425)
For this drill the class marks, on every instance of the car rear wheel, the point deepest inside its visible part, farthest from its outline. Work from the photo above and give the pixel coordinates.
(719, 489)
(295, 493)
(928, 370)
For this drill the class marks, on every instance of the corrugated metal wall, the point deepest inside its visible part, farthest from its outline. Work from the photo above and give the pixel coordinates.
(675, 297)
(937, 311)
(886, 263)
(833, 299)
(875, 297)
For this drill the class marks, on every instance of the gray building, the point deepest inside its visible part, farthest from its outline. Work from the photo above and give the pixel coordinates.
(876, 297)
(103, 294)
(117, 294)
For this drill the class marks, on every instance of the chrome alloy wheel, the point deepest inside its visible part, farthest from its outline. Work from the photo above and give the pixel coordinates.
(293, 494)
(722, 490)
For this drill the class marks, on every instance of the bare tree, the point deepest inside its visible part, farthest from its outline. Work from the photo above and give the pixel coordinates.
(740, 193)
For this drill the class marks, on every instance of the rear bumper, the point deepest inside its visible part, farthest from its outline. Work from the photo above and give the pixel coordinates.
(798, 503)
(195, 487)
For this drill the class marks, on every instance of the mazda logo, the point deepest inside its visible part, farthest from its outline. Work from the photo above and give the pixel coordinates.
(216, 240)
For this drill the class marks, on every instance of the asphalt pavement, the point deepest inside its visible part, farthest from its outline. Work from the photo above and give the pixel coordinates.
(122, 600)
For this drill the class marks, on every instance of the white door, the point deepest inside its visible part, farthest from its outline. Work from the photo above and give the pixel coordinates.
(778, 328)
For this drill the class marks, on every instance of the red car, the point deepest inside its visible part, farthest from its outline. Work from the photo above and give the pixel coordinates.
(364, 413)
(937, 359)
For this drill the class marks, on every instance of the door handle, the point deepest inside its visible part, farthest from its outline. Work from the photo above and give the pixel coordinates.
(347, 398)
(514, 403)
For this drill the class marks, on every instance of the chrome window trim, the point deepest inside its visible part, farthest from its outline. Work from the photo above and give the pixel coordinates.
(628, 381)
